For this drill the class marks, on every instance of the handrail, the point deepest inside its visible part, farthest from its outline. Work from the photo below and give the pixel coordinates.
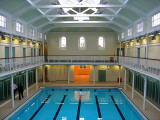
(81, 55)
(22, 57)
(141, 58)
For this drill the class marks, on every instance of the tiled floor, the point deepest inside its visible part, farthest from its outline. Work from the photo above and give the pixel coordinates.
(150, 112)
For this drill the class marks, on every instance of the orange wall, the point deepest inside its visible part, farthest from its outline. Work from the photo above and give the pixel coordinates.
(81, 74)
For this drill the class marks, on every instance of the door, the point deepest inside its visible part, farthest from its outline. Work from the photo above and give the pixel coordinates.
(34, 51)
(82, 73)
(101, 75)
(13, 51)
(7, 56)
(138, 52)
(24, 52)
(31, 52)
(6, 52)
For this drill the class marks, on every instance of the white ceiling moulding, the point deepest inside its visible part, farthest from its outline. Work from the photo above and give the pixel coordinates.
(82, 15)
(69, 22)
(80, 6)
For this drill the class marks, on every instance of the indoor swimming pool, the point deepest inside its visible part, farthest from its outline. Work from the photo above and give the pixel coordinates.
(78, 104)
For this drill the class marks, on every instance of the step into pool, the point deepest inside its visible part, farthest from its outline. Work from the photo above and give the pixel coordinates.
(78, 104)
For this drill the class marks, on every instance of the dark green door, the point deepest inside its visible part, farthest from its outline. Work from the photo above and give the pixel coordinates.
(138, 52)
(13, 51)
(7, 55)
(24, 52)
(102, 75)
(31, 52)
(6, 52)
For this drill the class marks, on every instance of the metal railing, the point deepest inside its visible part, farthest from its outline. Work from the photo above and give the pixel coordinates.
(78, 59)
(13, 64)
(148, 66)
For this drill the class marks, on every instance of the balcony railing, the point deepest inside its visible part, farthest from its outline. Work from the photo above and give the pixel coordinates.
(81, 59)
(147, 66)
(14, 64)
(150, 67)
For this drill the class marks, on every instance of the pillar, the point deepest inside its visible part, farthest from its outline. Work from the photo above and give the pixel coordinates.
(43, 74)
(27, 82)
(147, 40)
(133, 85)
(12, 90)
(145, 89)
(68, 74)
(26, 47)
(11, 55)
(36, 78)
(125, 78)
(119, 75)
(94, 76)
(120, 50)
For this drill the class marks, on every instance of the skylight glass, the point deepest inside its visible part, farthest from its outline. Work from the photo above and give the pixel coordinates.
(77, 12)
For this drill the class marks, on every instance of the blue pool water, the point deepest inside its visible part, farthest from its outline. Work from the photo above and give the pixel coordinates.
(76, 104)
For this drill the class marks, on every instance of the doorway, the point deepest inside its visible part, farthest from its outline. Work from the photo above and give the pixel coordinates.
(82, 73)
(101, 75)
(138, 52)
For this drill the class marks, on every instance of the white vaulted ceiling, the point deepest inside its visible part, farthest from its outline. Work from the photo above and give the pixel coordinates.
(53, 14)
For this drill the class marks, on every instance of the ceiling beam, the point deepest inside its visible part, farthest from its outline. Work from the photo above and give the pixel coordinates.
(79, 6)
(108, 26)
(83, 15)
(34, 5)
(26, 9)
(78, 22)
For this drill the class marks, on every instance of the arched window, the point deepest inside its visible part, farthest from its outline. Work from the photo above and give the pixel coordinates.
(101, 42)
(82, 42)
(63, 42)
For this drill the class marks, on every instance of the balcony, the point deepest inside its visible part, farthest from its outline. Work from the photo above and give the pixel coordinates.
(12, 65)
(81, 59)
(150, 67)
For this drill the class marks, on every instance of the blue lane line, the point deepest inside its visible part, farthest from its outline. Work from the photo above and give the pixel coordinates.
(117, 108)
(40, 107)
(59, 108)
(79, 108)
(98, 108)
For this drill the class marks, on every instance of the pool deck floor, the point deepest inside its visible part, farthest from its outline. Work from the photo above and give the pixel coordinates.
(150, 112)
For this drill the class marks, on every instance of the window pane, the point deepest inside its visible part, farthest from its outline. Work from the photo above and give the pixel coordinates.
(156, 20)
(101, 42)
(63, 42)
(2, 21)
(82, 42)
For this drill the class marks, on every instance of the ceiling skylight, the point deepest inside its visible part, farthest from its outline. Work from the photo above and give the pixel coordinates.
(80, 11)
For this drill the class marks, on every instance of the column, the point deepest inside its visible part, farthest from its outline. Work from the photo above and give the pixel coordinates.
(146, 53)
(125, 78)
(11, 55)
(145, 89)
(43, 74)
(26, 47)
(12, 90)
(119, 75)
(94, 77)
(120, 50)
(133, 85)
(68, 74)
(27, 82)
(43, 50)
(36, 78)
(134, 49)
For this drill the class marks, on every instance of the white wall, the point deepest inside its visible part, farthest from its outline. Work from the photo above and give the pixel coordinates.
(111, 43)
